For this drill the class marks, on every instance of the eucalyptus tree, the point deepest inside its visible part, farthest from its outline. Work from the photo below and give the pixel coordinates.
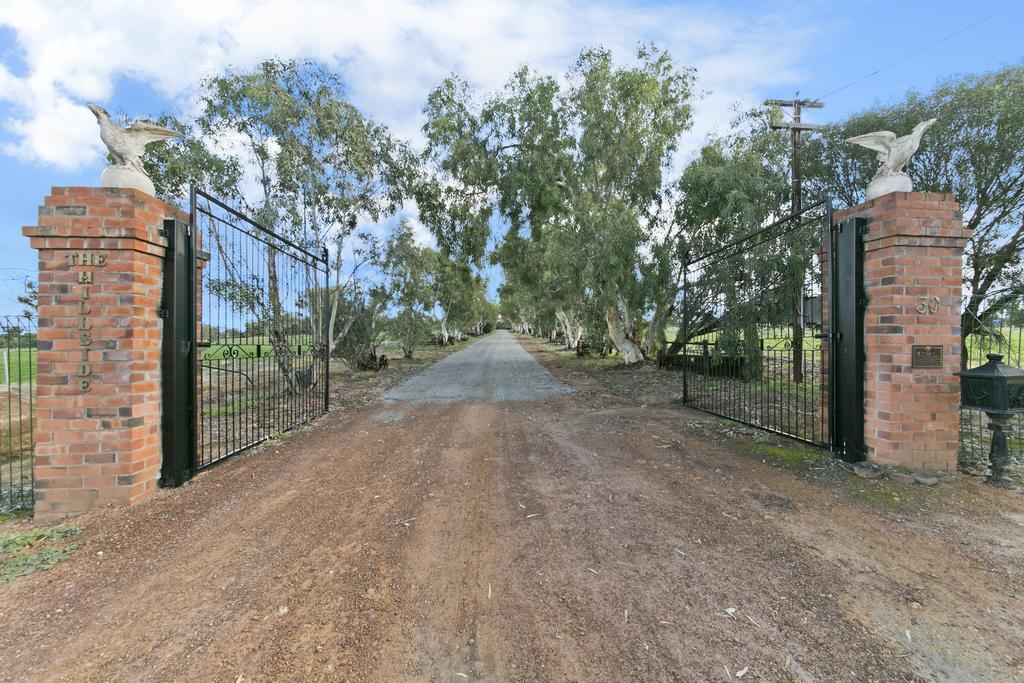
(574, 167)
(407, 271)
(451, 292)
(282, 143)
(975, 151)
(481, 312)
(736, 185)
(516, 305)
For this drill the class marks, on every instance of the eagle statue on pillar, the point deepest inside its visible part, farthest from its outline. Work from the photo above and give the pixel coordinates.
(894, 153)
(126, 146)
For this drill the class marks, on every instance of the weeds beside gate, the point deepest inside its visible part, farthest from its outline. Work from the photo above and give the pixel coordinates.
(17, 425)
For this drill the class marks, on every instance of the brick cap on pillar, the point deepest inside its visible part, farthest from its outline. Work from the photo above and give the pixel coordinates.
(107, 213)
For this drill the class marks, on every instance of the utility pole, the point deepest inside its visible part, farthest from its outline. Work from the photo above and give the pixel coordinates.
(795, 128)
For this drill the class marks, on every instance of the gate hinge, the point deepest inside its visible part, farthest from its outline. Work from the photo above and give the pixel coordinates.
(161, 312)
(864, 229)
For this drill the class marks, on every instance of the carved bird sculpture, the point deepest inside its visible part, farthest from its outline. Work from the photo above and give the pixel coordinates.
(126, 146)
(893, 152)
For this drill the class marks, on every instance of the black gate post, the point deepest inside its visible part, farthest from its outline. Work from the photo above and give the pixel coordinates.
(327, 331)
(684, 328)
(847, 388)
(178, 374)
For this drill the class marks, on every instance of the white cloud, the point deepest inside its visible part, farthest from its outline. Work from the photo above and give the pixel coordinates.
(390, 52)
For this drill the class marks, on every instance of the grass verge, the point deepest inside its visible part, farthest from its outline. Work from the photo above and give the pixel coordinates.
(25, 552)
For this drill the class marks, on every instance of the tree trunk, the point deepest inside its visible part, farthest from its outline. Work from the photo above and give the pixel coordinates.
(655, 329)
(562, 323)
(570, 327)
(627, 349)
(628, 324)
(444, 331)
(344, 331)
(278, 340)
(409, 343)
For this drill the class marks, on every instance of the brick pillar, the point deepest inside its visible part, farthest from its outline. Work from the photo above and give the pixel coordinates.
(913, 277)
(98, 402)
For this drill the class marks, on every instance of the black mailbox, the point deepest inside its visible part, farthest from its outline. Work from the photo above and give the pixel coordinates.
(998, 390)
(993, 387)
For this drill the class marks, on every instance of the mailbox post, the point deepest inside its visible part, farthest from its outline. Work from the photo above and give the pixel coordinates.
(998, 390)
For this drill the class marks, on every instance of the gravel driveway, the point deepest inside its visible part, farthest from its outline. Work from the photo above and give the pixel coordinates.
(493, 370)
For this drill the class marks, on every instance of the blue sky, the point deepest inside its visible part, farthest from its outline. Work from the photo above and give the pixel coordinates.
(142, 59)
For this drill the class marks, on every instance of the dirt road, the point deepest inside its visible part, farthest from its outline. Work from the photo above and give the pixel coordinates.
(482, 522)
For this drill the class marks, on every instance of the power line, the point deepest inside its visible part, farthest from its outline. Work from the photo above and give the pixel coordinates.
(923, 49)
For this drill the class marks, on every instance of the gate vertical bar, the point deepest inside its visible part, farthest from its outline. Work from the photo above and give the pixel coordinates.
(327, 331)
(178, 373)
(685, 329)
(832, 338)
(849, 385)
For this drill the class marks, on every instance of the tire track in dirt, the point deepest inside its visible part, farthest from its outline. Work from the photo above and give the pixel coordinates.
(445, 568)
(287, 577)
(951, 580)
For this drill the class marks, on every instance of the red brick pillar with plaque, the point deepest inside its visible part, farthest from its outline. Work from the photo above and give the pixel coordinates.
(913, 279)
(98, 439)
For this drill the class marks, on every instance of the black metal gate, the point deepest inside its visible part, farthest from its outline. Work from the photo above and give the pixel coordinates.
(245, 354)
(771, 331)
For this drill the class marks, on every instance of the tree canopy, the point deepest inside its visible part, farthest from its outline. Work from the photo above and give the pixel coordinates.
(573, 187)
(574, 169)
(975, 152)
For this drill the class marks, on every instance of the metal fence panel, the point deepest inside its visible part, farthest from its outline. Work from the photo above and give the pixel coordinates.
(1003, 333)
(17, 402)
(261, 352)
(754, 314)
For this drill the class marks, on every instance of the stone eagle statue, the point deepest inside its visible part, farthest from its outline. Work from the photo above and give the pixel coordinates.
(127, 146)
(894, 153)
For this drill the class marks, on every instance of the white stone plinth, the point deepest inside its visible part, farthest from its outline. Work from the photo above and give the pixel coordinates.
(123, 176)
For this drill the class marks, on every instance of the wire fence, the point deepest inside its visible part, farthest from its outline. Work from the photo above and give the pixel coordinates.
(17, 405)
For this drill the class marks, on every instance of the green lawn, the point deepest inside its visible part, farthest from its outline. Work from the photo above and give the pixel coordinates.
(1010, 344)
(773, 338)
(17, 365)
(248, 346)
